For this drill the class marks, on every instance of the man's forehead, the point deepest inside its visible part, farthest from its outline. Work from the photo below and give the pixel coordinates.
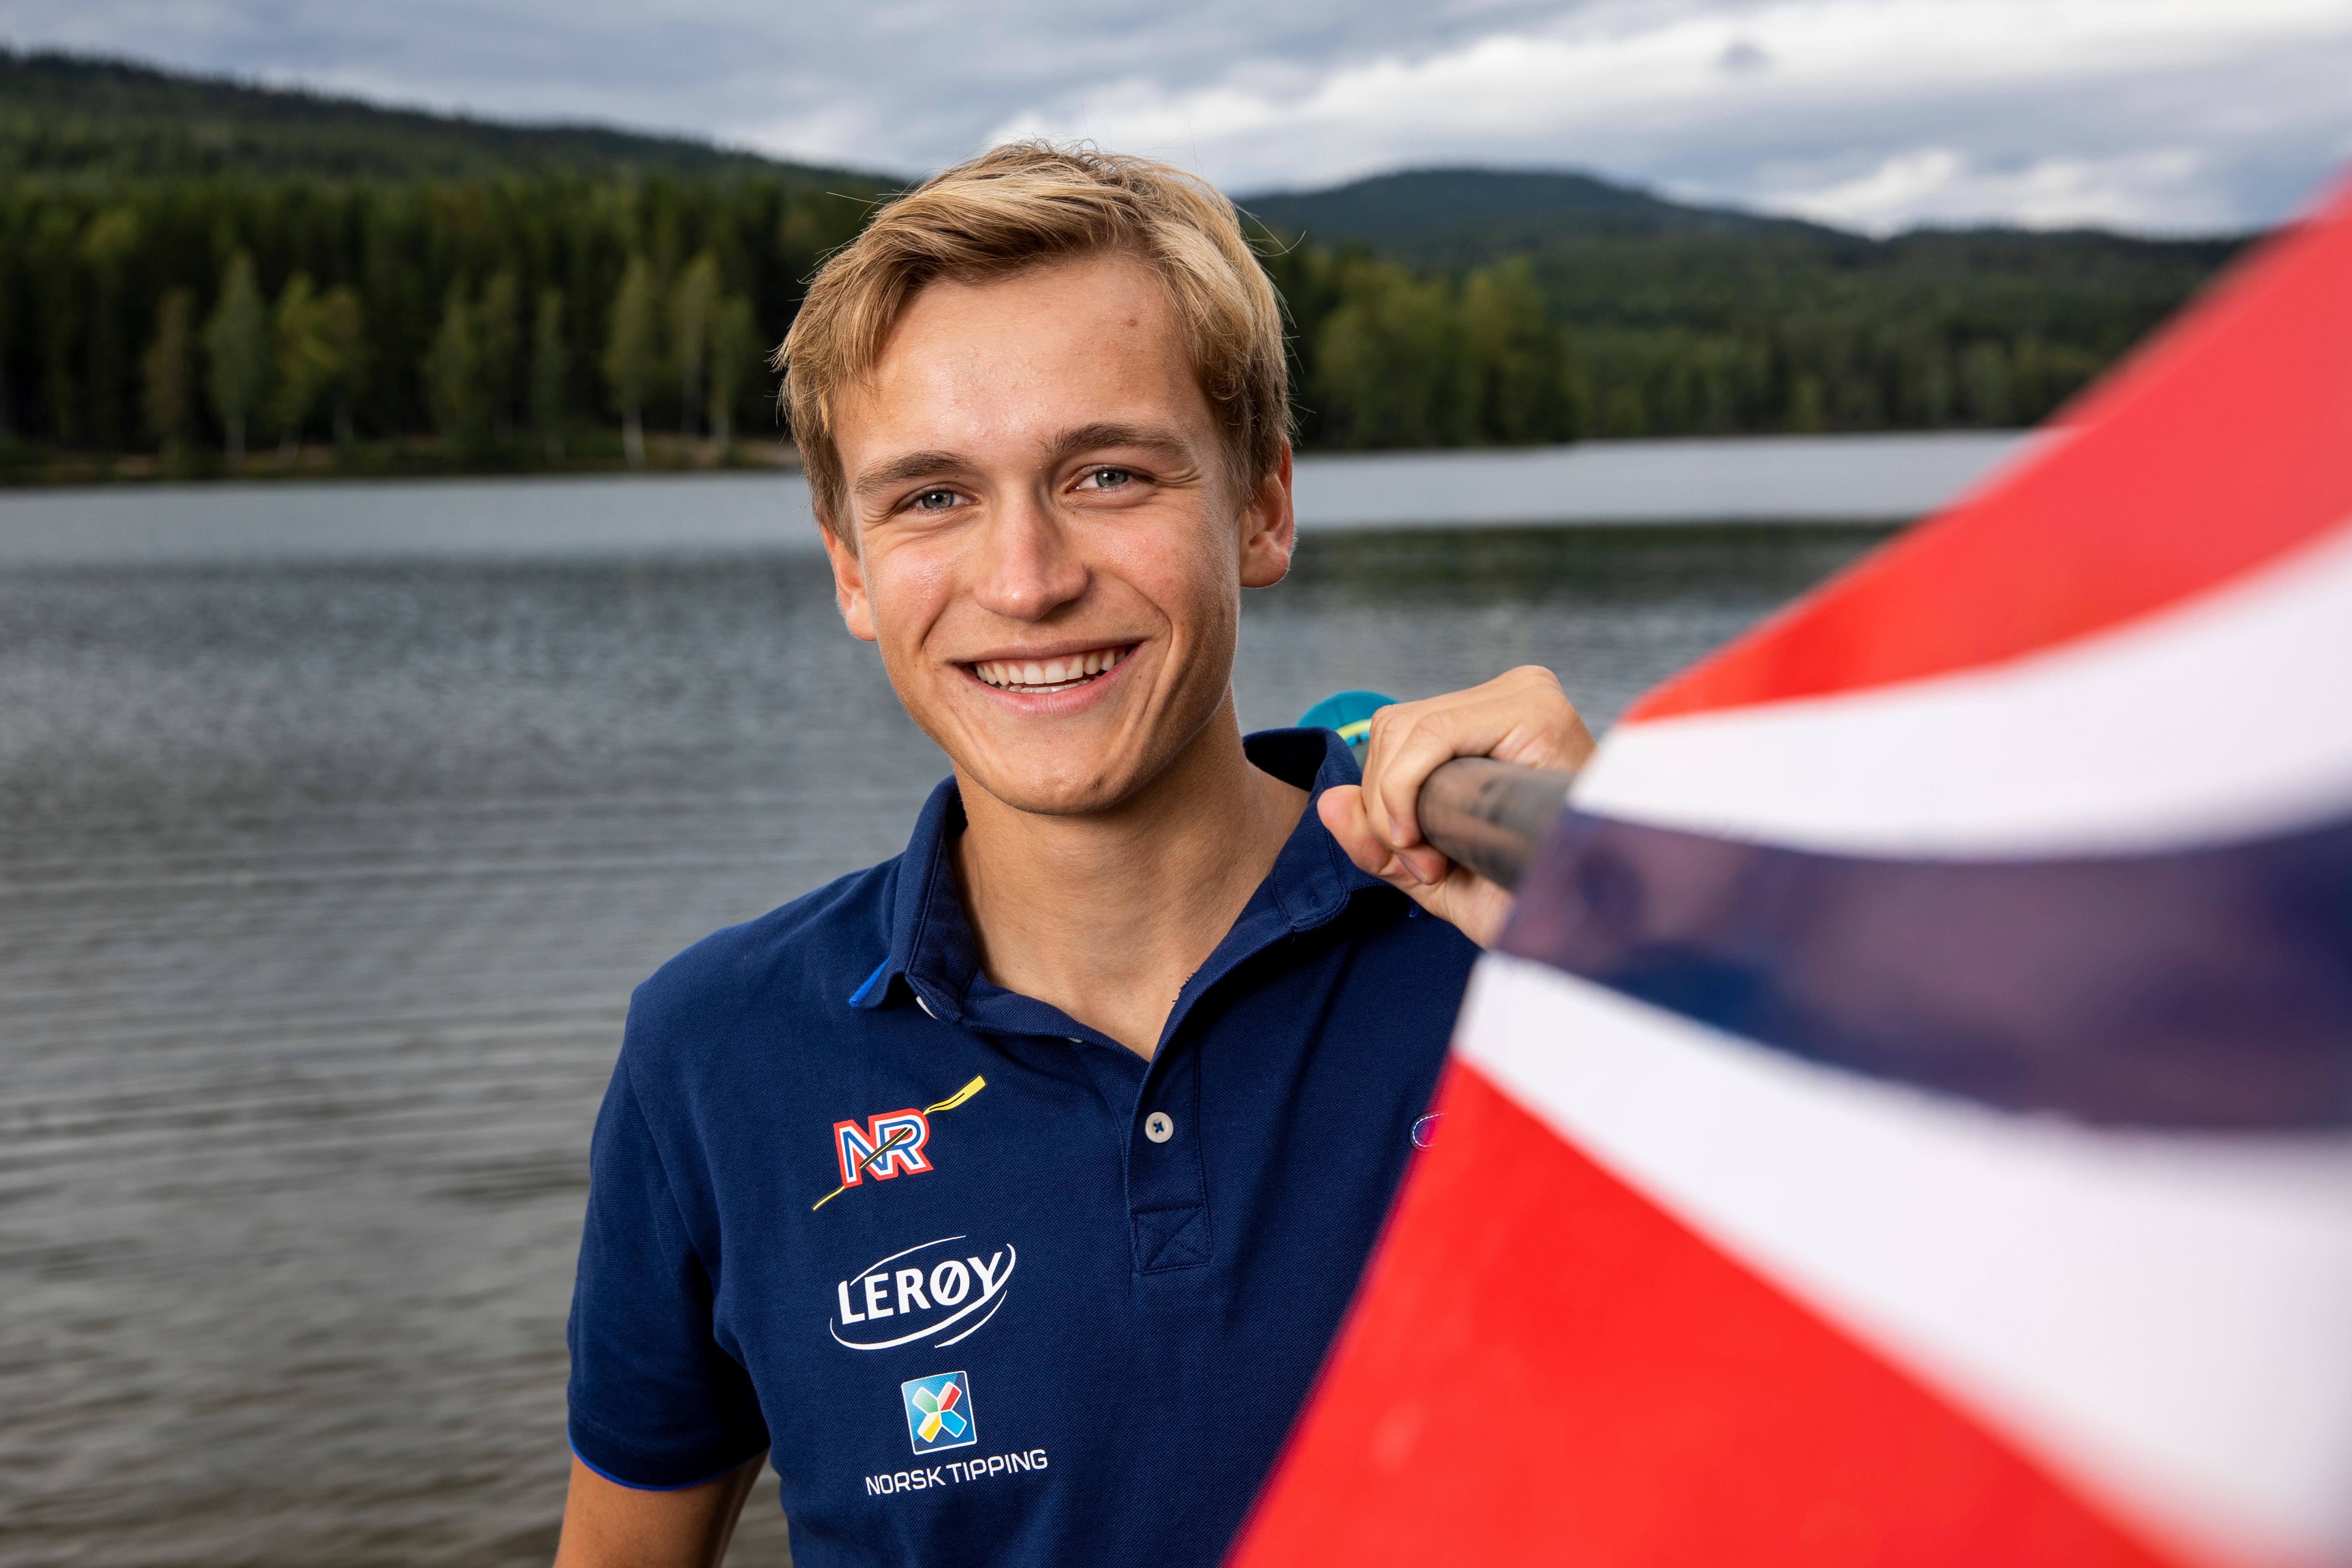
(1029, 363)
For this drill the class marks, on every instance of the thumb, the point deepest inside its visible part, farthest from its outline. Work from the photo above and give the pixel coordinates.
(1456, 895)
(1342, 809)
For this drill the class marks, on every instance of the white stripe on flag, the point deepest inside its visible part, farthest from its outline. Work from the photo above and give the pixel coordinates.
(2166, 1318)
(2221, 719)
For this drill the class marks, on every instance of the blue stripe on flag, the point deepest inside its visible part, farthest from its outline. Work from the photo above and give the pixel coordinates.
(2206, 988)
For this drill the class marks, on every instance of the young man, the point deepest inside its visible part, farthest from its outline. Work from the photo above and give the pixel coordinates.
(1009, 1191)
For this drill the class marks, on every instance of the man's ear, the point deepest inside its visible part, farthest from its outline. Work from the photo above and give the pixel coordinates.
(1270, 529)
(849, 584)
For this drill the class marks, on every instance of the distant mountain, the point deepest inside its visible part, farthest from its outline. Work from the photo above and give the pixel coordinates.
(63, 116)
(1466, 214)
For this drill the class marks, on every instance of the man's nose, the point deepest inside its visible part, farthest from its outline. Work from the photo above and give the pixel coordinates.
(1028, 568)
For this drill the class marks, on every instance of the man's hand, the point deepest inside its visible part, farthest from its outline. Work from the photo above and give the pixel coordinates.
(1519, 717)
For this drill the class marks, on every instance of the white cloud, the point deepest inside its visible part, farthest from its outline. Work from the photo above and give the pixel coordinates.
(2132, 112)
(2165, 114)
(1936, 184)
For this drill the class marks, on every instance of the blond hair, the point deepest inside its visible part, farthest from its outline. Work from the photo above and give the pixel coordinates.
(1030, 204)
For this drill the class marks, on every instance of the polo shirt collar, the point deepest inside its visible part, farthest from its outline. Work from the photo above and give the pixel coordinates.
(933, 954)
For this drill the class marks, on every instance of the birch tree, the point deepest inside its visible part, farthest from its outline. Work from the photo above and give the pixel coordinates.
(734, 346)
(305, 361)
(629, 355)
(236, 352)
(453, 374)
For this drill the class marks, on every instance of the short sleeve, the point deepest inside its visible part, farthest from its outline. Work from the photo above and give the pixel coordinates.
(656, 1404)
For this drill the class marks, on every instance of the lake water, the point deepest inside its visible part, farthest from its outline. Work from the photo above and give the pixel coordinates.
(322, 887)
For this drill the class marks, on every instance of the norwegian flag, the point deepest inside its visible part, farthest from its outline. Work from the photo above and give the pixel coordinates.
(1910, 1119)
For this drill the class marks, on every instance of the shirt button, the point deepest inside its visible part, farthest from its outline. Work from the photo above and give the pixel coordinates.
(1159, 1127)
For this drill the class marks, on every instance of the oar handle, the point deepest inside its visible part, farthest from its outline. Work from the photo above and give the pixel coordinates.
(1479, 813)
(1490, 815)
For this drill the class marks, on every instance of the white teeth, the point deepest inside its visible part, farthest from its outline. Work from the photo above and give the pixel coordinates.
(1053, 674)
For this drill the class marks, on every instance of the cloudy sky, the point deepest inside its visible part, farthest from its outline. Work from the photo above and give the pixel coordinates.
(2151, 115)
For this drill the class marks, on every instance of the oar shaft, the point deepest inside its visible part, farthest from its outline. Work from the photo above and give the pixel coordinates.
(1490, 815)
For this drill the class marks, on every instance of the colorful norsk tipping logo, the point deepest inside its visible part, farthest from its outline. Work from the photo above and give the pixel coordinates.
(938, 1412)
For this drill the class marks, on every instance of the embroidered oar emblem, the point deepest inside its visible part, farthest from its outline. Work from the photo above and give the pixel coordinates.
(890, 1144)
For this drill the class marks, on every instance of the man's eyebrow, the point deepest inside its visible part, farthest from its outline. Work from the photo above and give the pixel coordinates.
(913, 466)
(1093, 437)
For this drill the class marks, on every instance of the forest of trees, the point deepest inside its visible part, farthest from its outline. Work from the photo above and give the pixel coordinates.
(590, 299)
(510, 320)
(1673, 333)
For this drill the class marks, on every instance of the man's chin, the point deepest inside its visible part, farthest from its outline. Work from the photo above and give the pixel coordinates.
(1057, 796)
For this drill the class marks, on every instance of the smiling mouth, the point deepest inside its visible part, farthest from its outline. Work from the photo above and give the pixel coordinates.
(1038, 675)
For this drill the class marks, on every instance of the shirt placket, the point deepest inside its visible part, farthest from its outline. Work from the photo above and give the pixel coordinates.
(1167, 1182)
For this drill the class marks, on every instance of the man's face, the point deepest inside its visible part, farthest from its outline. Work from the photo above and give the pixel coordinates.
(1041, 534)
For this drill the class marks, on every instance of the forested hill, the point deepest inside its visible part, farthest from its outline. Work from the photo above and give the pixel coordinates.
(1476, 213)
(1605, 309)
(65, 116)
(204, 277)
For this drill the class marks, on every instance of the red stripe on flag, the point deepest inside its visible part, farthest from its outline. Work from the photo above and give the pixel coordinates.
(1544, 1367)
(2222, 445)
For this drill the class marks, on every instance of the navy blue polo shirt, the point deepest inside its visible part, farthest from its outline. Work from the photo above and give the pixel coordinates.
(991, 1287)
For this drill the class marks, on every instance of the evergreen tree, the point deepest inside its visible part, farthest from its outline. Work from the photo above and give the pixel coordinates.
(551, 368)
(499, 319)
(170, 376)
(629, 355)
(1985, 383)
(236, 352)
(342, 335)
(108, 250)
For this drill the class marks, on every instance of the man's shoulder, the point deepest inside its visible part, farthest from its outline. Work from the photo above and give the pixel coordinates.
(1403, 948)
(804, 957)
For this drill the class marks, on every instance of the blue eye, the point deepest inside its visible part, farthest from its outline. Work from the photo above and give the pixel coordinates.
(1111, 479)
(936, 500)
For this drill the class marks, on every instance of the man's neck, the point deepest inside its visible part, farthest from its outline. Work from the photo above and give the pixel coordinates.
(1107, 916)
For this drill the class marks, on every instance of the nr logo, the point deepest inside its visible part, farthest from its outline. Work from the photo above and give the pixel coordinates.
(889, 1144)
(939, 1293)
(885, 1147)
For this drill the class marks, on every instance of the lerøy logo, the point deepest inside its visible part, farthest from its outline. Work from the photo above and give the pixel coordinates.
(938, 1293)
(938, 1412)
(889, 1144)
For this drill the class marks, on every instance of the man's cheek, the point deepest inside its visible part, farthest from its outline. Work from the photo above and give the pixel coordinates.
(908, 593)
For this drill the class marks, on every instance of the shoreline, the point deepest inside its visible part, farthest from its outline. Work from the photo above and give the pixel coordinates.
(399, 460)
(1740, 481)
